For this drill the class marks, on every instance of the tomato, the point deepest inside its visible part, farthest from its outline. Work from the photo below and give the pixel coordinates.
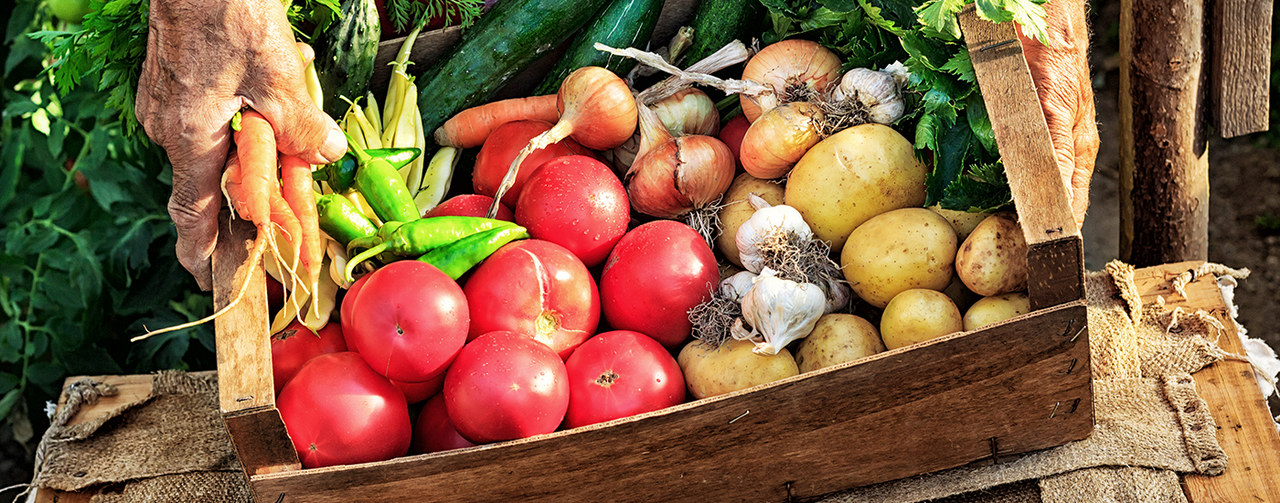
(275, 294)
(339, 411)
(470, 205)
(433, 432)
(654, 276)
(71, 11)
(731, 134)
(505, 386)
(501, 149)
(293, 346)
(415, 392)
(619, 374)
(536, 288)
(578, 203)
(408, 321)
(348, 301)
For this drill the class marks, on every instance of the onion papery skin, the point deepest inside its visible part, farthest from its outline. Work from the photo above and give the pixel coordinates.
(775, 142)
(600, 107)
(789, 63)
(680, 175)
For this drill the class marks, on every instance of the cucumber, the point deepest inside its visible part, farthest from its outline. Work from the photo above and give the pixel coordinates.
(718, 22)
(345, 52)
(622, 24)
(501, 44)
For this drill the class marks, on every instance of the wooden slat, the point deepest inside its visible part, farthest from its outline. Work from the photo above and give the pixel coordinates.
(261, 441)
(1245, 428)
(129, 389)
(1241, 66)
(1015, 387)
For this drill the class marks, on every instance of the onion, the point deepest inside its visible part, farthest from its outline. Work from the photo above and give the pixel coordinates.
(797, 70)
(596, 109)
(688, 111)
(779, 138)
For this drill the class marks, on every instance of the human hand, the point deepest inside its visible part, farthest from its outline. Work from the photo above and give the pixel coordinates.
(1061, 75)
(205, 61)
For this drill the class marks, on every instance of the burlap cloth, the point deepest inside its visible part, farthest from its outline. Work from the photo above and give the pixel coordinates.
(1151, 425)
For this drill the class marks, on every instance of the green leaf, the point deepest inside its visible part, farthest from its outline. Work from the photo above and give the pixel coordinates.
(961, 66)
(10, 399)
(7, 382)
(44, 373)
(927, 133)
(983, 188)
(939, 16)
(948, 161)
(993, 10)
(57, 134)
(842, 6)
(10, 342)
(976, 111)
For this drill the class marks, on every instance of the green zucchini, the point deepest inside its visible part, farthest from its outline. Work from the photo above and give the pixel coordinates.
(501, 44)
(345, 52)
(622, 23)
(718, 22)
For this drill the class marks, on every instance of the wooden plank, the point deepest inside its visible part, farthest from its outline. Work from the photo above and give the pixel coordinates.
(1014, 387)
(261, 441)
(1241, 66)
(1055, 272)
(129, 389)
(1245, 428)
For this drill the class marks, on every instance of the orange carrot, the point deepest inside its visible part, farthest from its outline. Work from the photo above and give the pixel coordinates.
(256, 151)
(295, 174)
(471, 127)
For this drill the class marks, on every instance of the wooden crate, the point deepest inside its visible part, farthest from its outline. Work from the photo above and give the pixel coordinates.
(1017, 386)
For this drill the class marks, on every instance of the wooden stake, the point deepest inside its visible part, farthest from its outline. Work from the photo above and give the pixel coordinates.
(1241, 34)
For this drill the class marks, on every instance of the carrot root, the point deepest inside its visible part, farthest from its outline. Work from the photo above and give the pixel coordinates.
(471, 127)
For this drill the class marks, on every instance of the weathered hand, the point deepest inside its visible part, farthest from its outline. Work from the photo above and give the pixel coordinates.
(1061, 74)
(205, 61)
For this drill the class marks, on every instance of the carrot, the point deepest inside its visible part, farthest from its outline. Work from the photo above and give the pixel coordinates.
(298, 193)
(471, 127)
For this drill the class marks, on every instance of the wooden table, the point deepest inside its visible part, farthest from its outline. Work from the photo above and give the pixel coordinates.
(1245, 427)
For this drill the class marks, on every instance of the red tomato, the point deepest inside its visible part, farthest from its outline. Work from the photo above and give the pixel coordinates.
(339, 411)
(731, 134)
(408, 321)
(349, 300)
(536, 288)
(469, 205)
(293, 346)
(655, 275)
(415, 392)
(619, 374)
(433, 432)
(497, 154)
(578, 203)
(505, 386)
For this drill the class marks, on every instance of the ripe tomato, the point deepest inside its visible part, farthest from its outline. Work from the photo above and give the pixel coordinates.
(576, 202)
(348, 301)
(339, 411)
(415, 392)
(500, 150)
(654, 276)
(293, 346)
(536, 288)
(731, 134)
(505, 386)
(469, 205)
(433, 432)
(408, 321)
(619, 374)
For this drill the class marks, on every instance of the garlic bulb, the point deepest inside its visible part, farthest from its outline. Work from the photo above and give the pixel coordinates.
(899, 72)
(734, 287)
(766, 223)
(838, 294)
(876, 91)
(779, 311)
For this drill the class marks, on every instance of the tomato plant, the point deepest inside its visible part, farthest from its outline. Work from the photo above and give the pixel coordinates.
(505, 386)
(292, 347)
(433, 431)
(497, 154)
(578, 203)
(408, 321)
(536, 288)
(654, 276)
(339, 411)
(619, 374)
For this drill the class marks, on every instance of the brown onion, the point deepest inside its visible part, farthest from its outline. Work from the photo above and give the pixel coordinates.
(688, 111)
(779, 138)
(674, 176)
(797, 70)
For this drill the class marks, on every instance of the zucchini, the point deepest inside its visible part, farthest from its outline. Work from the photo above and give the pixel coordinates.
(345, 52)
(622, 24)
(718, 22)
(501, 44)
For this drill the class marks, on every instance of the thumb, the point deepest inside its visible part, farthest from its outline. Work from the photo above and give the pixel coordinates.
(302, 129)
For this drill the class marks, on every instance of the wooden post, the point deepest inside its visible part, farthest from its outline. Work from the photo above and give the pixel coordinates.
(1241, 35)
(1164, 161)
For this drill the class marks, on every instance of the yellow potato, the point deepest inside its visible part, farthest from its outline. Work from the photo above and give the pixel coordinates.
(731, 367)
(736, 210)
(959, 294)
(918, 315)
(962, 221)
(991, 310)
(852, 176)
(897, 251)
(993, 260)
(837, 338)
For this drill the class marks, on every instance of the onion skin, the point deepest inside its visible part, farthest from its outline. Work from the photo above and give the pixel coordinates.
(787, 63)
(779, 138)
(680, 175)
(598, 107)
(689, 111)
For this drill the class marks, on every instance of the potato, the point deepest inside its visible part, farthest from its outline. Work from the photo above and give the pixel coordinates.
(852, 176)
(736, 210)
(959, 294)
(731, 367)
(837, 338)
(962, 221)
(993, 260)
(897, 251)
(991, 310)
(918, 315)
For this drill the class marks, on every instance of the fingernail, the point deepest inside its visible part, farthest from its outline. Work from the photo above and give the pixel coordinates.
(335, 145)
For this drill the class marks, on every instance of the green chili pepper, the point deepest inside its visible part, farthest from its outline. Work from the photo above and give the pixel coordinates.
(381, 185)
(341, 174)
(423, 235)
(341, 220)
(460, 256)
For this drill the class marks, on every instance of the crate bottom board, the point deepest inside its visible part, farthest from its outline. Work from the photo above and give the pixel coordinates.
(1019, 386)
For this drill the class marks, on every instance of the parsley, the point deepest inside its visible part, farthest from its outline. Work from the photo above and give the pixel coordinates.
(405, 14)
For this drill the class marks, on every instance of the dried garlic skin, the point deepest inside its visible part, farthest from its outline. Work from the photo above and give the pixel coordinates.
(779, 312)
(768, 221)
(878, 92)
